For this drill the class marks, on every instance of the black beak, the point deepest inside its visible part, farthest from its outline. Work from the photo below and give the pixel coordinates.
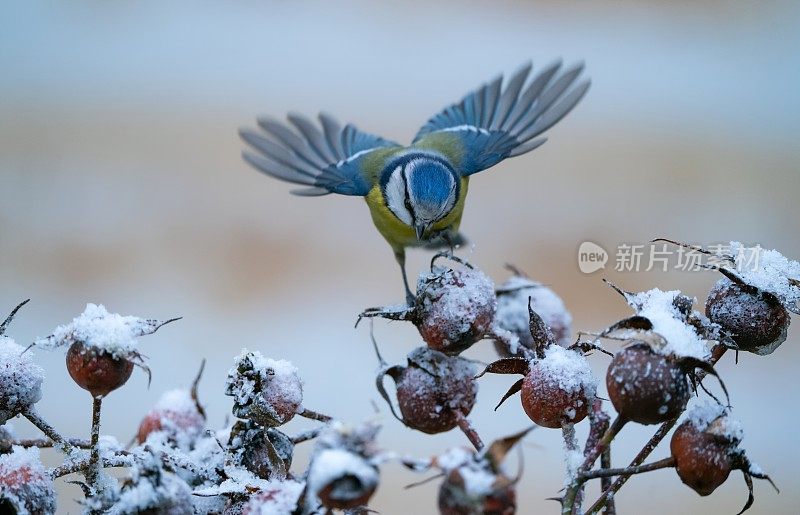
(420, 229)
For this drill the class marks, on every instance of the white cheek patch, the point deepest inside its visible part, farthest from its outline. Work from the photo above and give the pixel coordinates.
(395, 194)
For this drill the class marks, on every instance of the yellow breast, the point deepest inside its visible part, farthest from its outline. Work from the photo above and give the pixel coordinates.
(400, 235)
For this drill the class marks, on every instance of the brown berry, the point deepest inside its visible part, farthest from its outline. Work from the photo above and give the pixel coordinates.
(757, 322)
(645, 386)
(96, 370)
(434, 390)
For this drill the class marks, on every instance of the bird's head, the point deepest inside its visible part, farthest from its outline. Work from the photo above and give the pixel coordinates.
(420, 191)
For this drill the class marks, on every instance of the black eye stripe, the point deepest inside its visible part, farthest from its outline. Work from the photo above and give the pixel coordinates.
(407, 200)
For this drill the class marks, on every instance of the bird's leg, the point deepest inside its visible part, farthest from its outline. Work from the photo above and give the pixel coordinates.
(400, 256)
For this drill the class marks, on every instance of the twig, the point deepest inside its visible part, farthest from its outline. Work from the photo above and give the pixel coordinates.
(608, 493)
(598, 425)
(10, 316)
(568, 503)
(571, 446)
(313, 415)
(94, 466)
(628, 471)
(605, 482)
(5, 445)
(306, 435)
(465, 426)
(49, 431)
(120, 460)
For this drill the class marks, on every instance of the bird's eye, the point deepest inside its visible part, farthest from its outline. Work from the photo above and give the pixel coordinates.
(407, 203)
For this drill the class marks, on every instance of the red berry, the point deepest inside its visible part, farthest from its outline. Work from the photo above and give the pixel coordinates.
(645, 386)
(96, 370)
(757, 322)
(434, 389)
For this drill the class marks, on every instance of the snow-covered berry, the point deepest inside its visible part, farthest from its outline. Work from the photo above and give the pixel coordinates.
(267, 391)
(177, 414)
(274, 498)
(472, 487)
(475, 483)
(559, 388)
(341, 479)
(454, 308)
(102, 347)
(260, 451)
(513, 316)
(20, 380)
(343, 472)
(756, 321)
(25, 485)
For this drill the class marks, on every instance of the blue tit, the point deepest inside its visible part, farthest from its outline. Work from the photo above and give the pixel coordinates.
(416, 193)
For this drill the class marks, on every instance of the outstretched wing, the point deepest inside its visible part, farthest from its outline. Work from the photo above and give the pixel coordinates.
(331, 160)
(489, 125)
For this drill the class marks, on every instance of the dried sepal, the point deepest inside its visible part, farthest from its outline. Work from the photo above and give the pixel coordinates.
(511, 365)
(499, 449)
(515, 388)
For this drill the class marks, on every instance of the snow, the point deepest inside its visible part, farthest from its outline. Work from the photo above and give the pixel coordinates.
(96, 327)
(478, 478)
(681, 339)
(767, 270)
(569, 369)
(710, 416)
(475, 470)
(179, 401)
(26, 483)
(20, 379)
(164, 491)
(512, 309)
(278, 377)
(275, 498)
(454, 458)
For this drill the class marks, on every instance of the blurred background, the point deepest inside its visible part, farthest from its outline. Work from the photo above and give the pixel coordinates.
(122, 184)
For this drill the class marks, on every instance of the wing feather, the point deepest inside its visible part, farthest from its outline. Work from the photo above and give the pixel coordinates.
(332, 159)
(492, 123)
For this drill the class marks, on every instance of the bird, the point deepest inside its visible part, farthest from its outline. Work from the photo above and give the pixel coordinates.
(416, 193)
